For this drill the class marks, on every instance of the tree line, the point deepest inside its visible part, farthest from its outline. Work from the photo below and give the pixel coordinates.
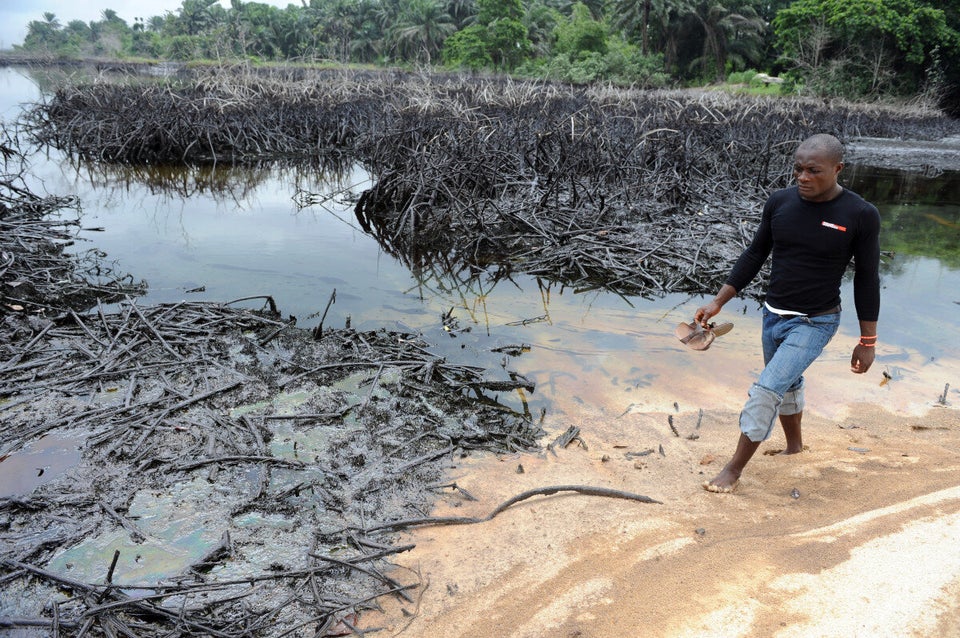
(845, 48)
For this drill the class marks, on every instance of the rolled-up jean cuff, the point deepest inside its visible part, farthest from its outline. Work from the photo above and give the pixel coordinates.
(792, 402)
(759, 413)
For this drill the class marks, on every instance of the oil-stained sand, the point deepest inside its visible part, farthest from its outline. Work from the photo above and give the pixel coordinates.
(867, 548)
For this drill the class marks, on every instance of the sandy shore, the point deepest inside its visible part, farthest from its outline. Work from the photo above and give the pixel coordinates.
(854, 537)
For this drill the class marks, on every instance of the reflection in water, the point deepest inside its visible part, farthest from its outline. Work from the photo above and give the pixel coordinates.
(220, 182)
(920, 214)
(904, 187)
(236, 232)
(940, 220)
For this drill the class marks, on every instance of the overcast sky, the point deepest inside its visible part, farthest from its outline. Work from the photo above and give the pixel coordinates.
(16, 14)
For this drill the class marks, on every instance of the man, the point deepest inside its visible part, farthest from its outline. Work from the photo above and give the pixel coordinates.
(813, 230)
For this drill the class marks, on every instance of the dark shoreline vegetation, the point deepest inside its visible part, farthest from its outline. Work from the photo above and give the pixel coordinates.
(180, 393)
(345, 435)
(638, 192)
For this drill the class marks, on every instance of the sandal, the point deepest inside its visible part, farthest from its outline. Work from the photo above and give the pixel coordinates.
(696, 337)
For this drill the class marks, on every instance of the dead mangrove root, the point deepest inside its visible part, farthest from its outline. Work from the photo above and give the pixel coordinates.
(540, 491)
(37, 275)
(190, 394)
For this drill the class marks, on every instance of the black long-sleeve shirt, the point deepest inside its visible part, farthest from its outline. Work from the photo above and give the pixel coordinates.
(812, 243)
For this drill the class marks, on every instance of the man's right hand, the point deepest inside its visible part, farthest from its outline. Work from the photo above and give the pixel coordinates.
(706, 311)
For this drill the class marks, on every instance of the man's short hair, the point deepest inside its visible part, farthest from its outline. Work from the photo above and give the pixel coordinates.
(824, 143)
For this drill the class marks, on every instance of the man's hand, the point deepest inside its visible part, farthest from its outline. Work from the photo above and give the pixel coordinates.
(862, 359)
(704, 312)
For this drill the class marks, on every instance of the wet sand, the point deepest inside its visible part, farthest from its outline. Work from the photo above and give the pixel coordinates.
(854, 537)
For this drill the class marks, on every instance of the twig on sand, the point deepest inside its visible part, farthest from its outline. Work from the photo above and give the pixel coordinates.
(586, 490)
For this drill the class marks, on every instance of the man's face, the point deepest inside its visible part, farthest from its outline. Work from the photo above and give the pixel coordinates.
(816, 174)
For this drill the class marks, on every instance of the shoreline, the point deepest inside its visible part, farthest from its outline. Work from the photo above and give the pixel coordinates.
(878, 505)
(882, 472)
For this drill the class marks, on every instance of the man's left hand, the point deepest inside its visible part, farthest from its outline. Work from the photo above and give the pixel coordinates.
(862, 359)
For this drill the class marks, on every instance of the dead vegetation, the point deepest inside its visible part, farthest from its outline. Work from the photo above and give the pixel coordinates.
(332, 436)
(639, 192)
(332, 432)
(278, 464)
(41, 266)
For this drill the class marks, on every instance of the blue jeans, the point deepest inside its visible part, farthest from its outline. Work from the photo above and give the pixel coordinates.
(790, 344)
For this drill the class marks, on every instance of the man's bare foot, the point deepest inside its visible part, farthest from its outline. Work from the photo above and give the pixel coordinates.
(723, 483)
(788, 450)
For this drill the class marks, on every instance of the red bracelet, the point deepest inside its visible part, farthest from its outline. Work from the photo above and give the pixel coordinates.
(868, 345)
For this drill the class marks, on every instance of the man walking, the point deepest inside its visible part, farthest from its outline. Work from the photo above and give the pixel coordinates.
(812, 230)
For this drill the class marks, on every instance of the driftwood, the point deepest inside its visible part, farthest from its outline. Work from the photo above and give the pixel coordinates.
(586, 490)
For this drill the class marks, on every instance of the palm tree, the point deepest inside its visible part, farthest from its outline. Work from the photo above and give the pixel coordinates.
(366, 42)
(724, 29)
(540, 21)
(656, 21)
(292, 31)
(196, 16)
(337, 25)
(51, 20)
(109, 15)
(747, 32)
(44, 34)
(155, 23)
(462, 11)
(596, 7)
(422, 27)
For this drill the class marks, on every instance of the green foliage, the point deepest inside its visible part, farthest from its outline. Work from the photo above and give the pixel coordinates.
(500, 43)
(626, 64)
(540, 21)
(184, 47)
(622, 64)
(467, 49)
(580, 34)
(910, 230)
(741, 77)
(490, 11)
(831, 47)
(507, 43)
(862, 47)
(420, 30)
(147, 45)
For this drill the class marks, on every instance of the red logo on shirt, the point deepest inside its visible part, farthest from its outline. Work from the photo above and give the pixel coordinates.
(842, 229)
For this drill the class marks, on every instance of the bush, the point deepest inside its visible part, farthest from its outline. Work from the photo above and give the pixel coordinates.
(622, 64)
(741, 77)
(183, 47)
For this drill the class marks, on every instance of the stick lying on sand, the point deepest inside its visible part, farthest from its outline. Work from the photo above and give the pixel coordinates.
(540, 491)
